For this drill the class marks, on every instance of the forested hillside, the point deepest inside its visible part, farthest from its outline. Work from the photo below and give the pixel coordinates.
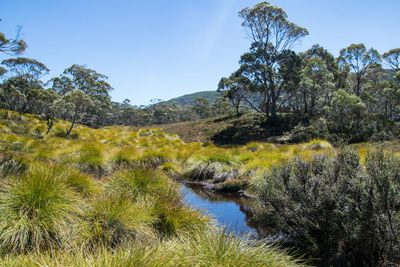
(189, 99)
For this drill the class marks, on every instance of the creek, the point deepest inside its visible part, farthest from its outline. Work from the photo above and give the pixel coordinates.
(229, 210)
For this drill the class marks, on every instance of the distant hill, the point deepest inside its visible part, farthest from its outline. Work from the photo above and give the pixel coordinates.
(190, 98)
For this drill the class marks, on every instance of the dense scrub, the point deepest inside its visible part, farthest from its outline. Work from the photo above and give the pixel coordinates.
(336, 209)
(105, 197)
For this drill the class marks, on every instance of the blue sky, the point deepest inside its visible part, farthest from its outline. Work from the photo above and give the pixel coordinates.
(164, 49)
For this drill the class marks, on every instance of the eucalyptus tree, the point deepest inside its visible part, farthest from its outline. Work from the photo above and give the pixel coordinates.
(94, 85)
(272, 35)
(221, 107)
(202, 107)
(392, 59)
(41, 102)
(73, 106)
(235, 89)
(317, 85)
(26, 72)
(13, 46)
(358, 59)
(11, 99)
(62, 85)
(391, 92)
(347, 116)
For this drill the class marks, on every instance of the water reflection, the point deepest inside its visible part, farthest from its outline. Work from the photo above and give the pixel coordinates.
(230, 210)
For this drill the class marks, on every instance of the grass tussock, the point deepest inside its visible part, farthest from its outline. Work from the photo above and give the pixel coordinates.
(111, 221)
(38, 211)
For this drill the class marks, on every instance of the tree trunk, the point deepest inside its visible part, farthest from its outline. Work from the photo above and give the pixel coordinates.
(49, 126)
(70, 128)
(357, 90)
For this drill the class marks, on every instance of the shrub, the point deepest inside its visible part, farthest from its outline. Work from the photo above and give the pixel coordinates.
(304, 133)
(334, 209)
(38, 211)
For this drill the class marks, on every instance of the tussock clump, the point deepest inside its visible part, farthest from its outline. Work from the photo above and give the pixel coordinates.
(124, 158)
(318, 145)
(38, 211)
(205, 171)
(217, 168)
(137, 181)
(91, 159)
(11, 165)
(218, 248)
(173, 217)
(112, 220)
(153, 159)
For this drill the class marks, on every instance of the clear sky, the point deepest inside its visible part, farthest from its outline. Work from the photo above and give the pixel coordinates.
(167, 48)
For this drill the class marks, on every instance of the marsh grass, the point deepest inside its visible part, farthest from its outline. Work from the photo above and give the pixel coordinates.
(11, 165)
(173, 217)
(124, 157)
(112, 220)
(55, 213)
(38, 211)
(137, 181)
(210, 248)
(91, 159)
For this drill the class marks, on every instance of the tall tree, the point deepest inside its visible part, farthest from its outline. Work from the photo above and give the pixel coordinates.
(392, 59)
(94, 85)
(235, 89)
(26, 72)
(202, 107)
(40, 101)
(62, 85)
(12, 46)
(272, 35)
(73, 107)
(359, 59)
(317, 84)
(11, 99)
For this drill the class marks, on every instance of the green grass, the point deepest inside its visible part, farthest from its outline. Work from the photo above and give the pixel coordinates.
(105, 197)
(38, 211)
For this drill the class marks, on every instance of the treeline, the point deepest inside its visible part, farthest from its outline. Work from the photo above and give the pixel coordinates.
(354, 96)
(82, 95)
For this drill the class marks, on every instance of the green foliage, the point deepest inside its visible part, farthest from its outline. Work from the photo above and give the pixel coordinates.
(334, 209)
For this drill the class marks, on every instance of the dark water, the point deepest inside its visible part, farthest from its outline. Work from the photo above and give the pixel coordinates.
(229, 210)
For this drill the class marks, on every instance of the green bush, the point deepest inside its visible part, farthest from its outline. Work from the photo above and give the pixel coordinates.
(334, 209)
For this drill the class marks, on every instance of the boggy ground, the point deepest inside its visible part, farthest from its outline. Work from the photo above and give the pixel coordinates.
(105, 197)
